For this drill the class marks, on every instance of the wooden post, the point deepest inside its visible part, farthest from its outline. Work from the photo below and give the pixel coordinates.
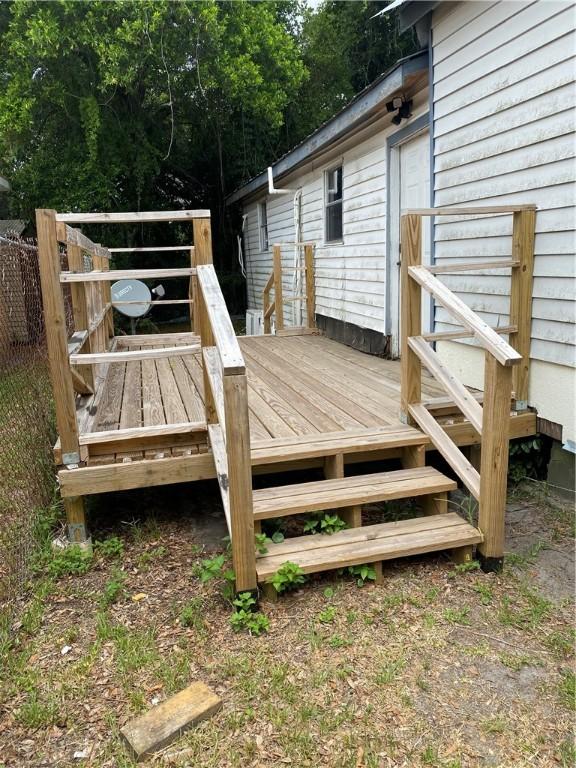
(191, 291)
(411, 314)
(76, 520)
(278, 300)
(310, 286)
(333, 469)
(201, 254)
(494, 462)
(240, 481)
(521, 300)
(79, 307)
(56, 336)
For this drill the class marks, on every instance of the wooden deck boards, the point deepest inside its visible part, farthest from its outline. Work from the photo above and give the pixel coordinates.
(299, 387)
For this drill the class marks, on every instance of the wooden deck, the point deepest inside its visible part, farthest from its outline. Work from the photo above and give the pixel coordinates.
(302, 391)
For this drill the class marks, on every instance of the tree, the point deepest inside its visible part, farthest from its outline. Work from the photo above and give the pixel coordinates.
(344, 46)
(140, 105)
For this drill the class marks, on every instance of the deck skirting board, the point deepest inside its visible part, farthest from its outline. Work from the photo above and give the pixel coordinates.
(362, 339)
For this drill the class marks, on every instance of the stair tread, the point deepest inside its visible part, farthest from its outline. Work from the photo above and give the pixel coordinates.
(370, 543)
(349, 491)
(330, 443)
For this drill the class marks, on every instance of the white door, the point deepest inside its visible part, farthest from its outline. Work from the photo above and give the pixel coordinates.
(409, 187)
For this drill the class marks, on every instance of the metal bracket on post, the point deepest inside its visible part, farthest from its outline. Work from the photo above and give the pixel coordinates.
(71, 458)
(521, 405)
(77, 533)
(403, 417)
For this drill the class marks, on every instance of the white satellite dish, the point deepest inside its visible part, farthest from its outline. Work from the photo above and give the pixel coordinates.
(131, 290)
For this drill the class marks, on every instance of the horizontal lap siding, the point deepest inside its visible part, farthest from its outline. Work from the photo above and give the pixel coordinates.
(504, 98)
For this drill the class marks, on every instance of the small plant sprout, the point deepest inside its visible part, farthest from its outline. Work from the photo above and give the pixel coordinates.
(114, 589)
(324, 523)
(362, 573)
(211, 568)
(289, 576)
(245, 618)
(261, 541)
(111, 547)
(327, 615)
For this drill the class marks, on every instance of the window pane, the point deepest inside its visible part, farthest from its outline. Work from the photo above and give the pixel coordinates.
(334, 185)
(334, 221)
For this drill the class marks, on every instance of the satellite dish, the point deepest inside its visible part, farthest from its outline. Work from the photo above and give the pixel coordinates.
(131, 290)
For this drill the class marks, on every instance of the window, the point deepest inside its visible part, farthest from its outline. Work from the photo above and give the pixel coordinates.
(333, 206)
(263, 225)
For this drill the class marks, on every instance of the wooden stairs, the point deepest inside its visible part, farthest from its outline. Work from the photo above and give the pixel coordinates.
(435, 531)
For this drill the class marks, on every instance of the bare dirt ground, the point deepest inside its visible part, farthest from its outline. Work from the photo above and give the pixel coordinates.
(439, 666)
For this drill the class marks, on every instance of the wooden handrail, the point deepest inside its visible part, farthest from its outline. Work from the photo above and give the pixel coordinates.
(128, 217)
(135, 354)
(479, 210)
(221, 326)
(500, 349)
(505, 369)
(109, 276)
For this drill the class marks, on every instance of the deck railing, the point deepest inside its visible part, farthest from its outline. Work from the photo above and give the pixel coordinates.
(274, 283)
(79, 359)
(506, 363)
(226, 400)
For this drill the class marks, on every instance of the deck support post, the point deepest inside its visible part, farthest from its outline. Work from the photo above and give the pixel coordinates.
(240, 481)
(521, 300)
(494, 462)
(76, 520)
(333, 469)
(411, 314)
(56, 336)
(415, 456)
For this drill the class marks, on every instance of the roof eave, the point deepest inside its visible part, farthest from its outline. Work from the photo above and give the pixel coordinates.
(338, 126)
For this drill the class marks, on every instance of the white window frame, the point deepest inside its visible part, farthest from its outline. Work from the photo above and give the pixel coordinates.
(263, 236)
(327, 172)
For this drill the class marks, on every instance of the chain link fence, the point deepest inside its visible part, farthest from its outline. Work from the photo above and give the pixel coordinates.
(27, 430)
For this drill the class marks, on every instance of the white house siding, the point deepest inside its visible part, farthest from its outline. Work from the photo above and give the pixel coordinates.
(504, 98)
(350, 277)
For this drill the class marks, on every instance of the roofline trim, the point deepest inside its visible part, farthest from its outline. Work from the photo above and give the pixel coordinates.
(338, 125)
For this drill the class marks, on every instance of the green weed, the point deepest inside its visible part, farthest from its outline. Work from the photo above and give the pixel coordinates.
(389, 672)
(326, 523)
(567, 689)
(327, 615)
(457, 615)
(288, 577)
(70, 560)
(191, 614)
(111, 547)
(114, 587)
(245, 618)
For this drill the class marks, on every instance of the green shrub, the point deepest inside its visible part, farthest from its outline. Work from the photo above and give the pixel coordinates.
(70, 560)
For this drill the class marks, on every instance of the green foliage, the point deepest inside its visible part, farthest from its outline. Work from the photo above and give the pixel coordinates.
(471, 565)
(324, 523)
(214, 568)
(261, 541)
(245, 618)
(327, 615)
(289, 576)
(70, 560)
(211, 568)
(113, 546)
(362, 573)
(191, 614)
(527, 458)
(114, 588)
